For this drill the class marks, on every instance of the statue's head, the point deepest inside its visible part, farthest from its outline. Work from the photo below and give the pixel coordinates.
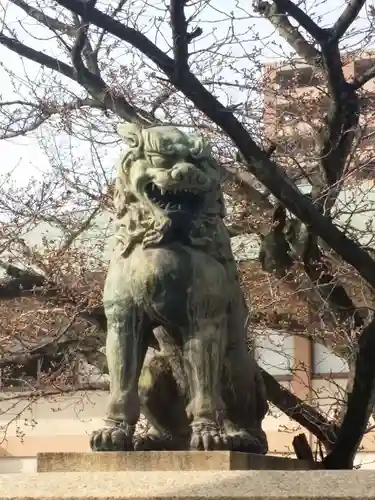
(171, 172)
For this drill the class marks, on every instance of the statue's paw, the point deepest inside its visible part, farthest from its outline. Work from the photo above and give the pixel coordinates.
(205, 435)
(153, 442)
(244, 441)
(116, 438)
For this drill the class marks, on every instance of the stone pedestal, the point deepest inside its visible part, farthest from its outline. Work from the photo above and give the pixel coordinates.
(163, 461)
(186, 485)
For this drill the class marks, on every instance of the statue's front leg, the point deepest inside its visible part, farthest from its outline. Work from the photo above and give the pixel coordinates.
(127, 336)
(203, 353)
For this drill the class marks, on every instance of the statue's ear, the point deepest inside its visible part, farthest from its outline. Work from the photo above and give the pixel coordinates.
(131, 133)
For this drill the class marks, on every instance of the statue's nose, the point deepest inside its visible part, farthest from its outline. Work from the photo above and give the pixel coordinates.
(188, 172)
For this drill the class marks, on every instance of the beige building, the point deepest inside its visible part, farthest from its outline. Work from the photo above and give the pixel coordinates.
(295, 101)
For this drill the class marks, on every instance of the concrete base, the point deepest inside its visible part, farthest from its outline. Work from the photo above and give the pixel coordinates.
(163, 461)
(207, 485)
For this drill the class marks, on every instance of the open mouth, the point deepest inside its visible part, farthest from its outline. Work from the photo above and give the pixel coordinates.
(178, 200)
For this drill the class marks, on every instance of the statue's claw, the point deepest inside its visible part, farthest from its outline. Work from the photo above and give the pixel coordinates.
(118, 437)
(155, 440)
(153, 443)
(152, 440)
(245, 442)
(237, 439)
(205, 435)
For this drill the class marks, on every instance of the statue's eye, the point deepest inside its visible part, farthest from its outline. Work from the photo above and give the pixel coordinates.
(160, 161)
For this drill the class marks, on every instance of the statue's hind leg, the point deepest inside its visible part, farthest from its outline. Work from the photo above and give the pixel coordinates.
(243, 388)
(245, 399)
(163, 401)
(203, 351)
(127, 338)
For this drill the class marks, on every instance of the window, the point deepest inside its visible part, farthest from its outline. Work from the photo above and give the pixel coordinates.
(366, 171)
(362, 65)
(20, 377)
(36, 372)
(274, 352)
(325, 362)
(297, 77)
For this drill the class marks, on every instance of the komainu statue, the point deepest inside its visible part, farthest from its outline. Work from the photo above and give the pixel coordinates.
(172, 283)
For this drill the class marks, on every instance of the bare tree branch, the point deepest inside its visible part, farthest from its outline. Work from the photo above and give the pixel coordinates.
(350, 13)
(299, 411)
(302, 18)
(180, 41)
(243, 178)
(336, 141)
(116, 11)
(333, 69)
(40, 112)
(342, 119)
(280, 20)
(355, 421)
(36, 56)
(45, 393)
(83, 45)
(341, 127)
(361, 80)
(57, 26)
(84, 226)
(77, 48)
(93, 84)
(118, 8)
(42, 18)
(37, 122)
(162, 98)
(126, 33)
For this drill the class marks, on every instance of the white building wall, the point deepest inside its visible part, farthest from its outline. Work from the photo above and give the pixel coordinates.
(76, 414)
(17, 465)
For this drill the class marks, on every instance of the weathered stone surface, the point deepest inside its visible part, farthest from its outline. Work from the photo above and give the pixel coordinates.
(163, 461)
(223, 485)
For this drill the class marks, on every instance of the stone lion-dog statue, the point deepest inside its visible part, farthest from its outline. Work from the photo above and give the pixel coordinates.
(172, 283)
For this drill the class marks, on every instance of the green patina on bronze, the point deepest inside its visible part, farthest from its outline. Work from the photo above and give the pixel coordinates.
(172, 278)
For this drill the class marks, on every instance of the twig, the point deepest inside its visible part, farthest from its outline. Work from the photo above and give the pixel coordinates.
(33, 395)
